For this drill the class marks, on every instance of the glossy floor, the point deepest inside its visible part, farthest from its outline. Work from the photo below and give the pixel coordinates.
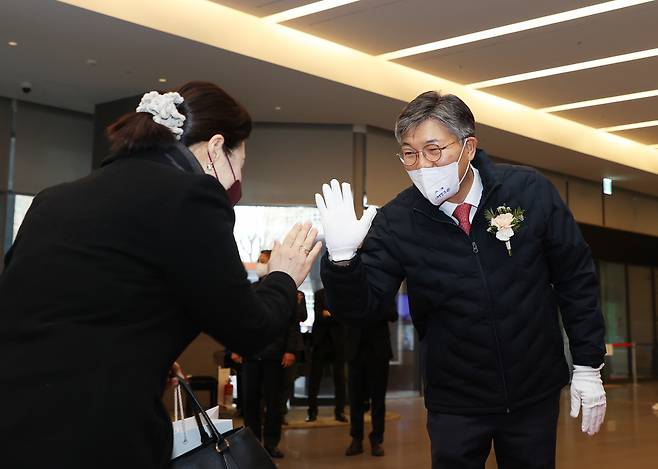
(629, 439)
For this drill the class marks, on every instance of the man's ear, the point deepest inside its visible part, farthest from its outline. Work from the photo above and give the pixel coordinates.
(471, 147)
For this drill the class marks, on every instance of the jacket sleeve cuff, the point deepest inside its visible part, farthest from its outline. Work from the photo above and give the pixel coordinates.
(284, 279)
(594, 361)
(341, 266)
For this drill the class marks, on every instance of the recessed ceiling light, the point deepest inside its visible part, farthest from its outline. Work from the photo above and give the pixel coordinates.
(91, 62)
(12, 43)
(277, 108)
(306, 10)
(601, 101)
(547, 72)
(514, 28)
(637, 125)
(162, 80)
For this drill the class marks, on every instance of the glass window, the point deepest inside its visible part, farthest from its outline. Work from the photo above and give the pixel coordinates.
(257, 227)
(21, 206)
(641, 314)
(404, 373)
(613, 302)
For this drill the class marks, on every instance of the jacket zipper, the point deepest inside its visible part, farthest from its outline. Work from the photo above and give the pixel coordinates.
(476, 251)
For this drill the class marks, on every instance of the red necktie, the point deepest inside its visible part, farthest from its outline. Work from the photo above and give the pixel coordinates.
(462, 213)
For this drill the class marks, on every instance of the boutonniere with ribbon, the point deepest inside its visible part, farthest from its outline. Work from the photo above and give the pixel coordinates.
(504, 222)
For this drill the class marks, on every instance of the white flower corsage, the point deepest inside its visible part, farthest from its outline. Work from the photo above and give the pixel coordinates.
(504, 222)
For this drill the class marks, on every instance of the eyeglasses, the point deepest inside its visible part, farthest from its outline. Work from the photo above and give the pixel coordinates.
(432, 152)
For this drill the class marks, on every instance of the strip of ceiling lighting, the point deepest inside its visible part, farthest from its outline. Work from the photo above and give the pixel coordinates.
(514, 28)
(306, 10)
(637, 125)
(601, 101)
(616, 59)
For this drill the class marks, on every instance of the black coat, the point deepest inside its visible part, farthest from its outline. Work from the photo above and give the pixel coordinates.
(295, 343)
(372, 340)
(109, 280)
(289, 342)
(488, 322)
(328, 333)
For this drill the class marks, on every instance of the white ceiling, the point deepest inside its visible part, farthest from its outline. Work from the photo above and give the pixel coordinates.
(55, 41)
(380, 26)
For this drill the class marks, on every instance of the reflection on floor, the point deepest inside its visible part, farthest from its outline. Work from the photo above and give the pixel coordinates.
(629, 439)
(297, 419)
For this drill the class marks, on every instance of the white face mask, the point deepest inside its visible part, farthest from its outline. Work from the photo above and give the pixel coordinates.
(439, 183)
(262, 270)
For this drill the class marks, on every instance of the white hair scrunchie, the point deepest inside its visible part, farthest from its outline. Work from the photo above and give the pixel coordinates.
(163, 108)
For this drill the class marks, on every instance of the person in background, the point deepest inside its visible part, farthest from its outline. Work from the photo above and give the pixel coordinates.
(328, 346)
(112, 276)
(264, 373)
(368, 355)
(234, 361)
(295, 342)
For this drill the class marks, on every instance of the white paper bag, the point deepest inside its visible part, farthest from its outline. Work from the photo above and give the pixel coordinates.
(186, 430)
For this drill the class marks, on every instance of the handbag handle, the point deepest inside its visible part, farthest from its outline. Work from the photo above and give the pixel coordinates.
(221, 443)
(178, 407)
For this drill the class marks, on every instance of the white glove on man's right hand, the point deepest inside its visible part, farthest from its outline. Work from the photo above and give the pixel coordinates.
(343, 233)
(587, 392)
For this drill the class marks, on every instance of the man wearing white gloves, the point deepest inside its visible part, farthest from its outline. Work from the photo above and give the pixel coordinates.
(490, 252)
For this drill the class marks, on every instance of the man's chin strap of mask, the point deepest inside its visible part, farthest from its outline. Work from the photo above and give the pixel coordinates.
(459, 159)
(235, 191)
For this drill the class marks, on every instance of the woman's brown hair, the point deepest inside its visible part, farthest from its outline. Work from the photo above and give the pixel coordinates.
(208, 111)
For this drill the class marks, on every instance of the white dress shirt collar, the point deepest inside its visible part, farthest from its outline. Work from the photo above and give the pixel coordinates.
(473, 198)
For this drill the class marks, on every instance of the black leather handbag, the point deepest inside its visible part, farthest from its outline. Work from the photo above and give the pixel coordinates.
(235, 449)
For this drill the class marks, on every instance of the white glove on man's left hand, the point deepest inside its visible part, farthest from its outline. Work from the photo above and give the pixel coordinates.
(343, 233)
(587, 391)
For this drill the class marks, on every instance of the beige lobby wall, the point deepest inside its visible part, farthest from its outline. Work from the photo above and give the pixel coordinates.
(560, 183)
(624, 210)
(52, 146)
(198, 358)
(5, 133)
(628, 211)
(646, 214)
(385, 176)
(585, 202)
(287, 163)
(619, 210)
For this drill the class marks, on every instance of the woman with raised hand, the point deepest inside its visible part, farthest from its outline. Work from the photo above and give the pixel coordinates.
(113, 275)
